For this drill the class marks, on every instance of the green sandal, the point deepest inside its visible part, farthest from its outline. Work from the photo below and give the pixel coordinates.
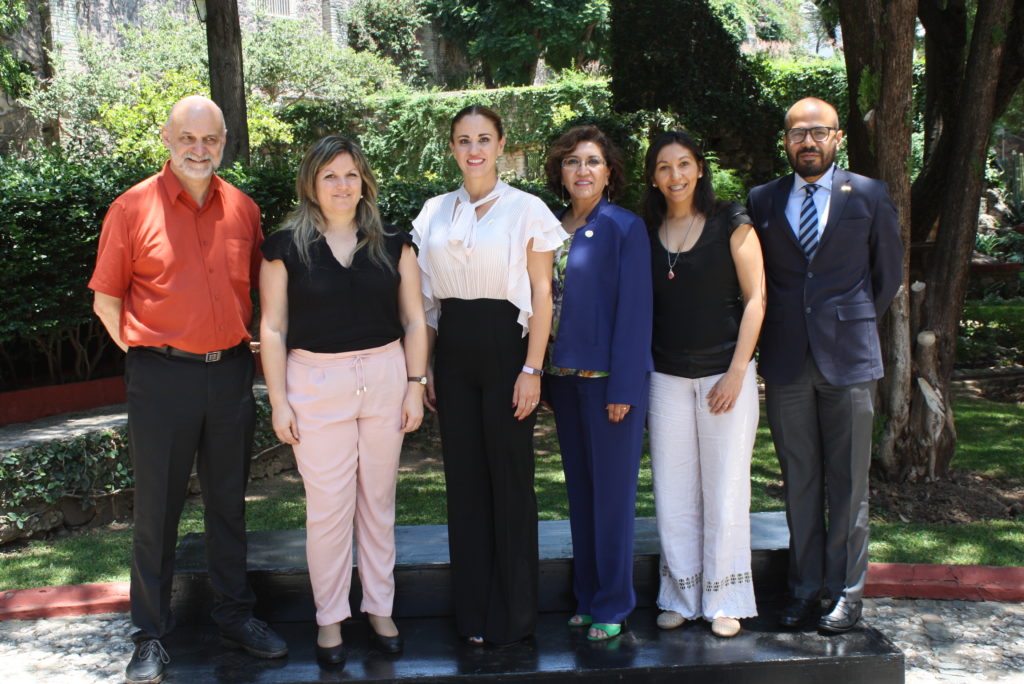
(580, 620)
(610, 631)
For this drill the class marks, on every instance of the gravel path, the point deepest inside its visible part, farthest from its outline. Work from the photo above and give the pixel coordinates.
(944, 641)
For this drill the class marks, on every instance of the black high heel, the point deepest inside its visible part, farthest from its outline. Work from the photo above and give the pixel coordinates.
(331, 655)
(385, 644)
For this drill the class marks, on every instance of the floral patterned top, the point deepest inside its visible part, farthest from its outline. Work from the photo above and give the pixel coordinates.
(557, 291)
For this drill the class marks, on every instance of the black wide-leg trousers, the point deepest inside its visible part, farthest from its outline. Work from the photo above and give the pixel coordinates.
(489, 468)
(179, 412)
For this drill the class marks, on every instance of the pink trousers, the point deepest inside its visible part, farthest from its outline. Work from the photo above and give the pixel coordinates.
(348, 408)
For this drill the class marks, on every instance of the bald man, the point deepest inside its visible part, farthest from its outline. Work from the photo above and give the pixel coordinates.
(833, 262)
(178, 256)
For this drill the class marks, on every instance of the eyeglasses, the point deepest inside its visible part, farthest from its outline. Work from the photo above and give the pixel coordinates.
(818, 133)
(574, 163)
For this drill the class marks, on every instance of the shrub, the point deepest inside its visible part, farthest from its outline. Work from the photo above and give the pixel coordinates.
(388, 28)
(51, 207)
(87, 466)
(406, 134)
(700, 76)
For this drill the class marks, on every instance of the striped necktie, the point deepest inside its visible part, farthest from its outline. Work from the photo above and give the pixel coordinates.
(808, 235)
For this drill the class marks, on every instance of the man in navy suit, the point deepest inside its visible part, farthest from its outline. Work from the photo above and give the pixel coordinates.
(833, 262)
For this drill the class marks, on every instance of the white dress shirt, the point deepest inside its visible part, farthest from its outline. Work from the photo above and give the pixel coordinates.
(822, 200)
(482, 258)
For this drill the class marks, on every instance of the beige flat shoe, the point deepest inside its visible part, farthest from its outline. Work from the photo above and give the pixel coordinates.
(725, 627)
(670, 619)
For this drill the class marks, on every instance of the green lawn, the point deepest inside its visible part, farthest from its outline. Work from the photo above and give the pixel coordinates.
(991, 442)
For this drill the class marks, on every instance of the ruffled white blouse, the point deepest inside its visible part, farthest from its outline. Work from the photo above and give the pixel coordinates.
(465, 257)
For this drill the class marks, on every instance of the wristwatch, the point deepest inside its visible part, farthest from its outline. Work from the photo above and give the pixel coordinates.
(420, 379)
(532, 371)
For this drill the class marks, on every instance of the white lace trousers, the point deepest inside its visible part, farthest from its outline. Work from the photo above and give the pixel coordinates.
(701, 471)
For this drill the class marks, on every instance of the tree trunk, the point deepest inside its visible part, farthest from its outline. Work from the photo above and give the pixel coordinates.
(227, 85)
(958, 217)
(919, 437)
(881, 53)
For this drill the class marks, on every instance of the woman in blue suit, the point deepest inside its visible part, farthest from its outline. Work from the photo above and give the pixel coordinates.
(599, 361)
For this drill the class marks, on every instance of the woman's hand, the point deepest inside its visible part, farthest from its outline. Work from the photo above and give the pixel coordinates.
(616, 412)
(526, 395)
(429, 396)
(722, 396)
(282, 418)
(412, 407)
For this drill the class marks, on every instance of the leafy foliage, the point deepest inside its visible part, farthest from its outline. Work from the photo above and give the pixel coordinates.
(51, 207)
(406, 134)
(121, 96)
(15, 75)
(388, 28)
(507, 37)
(700, 76)
(86, 466)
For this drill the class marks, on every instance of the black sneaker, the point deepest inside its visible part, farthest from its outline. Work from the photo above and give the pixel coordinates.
(255, 638)
(147, 663)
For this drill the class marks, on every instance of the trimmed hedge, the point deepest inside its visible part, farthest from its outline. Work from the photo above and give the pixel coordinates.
(406, 135)
(87, 466)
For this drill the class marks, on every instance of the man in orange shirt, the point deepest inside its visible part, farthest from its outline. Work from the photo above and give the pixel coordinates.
(178, 256)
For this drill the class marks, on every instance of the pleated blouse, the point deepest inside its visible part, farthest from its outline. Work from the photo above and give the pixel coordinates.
(493, 265)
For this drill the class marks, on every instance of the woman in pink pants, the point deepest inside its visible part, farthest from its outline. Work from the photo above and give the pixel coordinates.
(343, 345)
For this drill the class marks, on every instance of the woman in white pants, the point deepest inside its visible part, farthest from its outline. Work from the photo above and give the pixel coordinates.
(709, 304)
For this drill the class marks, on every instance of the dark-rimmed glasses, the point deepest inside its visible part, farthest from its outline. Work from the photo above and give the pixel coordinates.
(818, 133)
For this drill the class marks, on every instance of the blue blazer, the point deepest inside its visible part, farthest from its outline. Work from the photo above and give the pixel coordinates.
(607, 305)
(831, 305)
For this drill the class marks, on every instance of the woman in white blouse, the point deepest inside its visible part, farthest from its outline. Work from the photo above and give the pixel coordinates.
(485, 252)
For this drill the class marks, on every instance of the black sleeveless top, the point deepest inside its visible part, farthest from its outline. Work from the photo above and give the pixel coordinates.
(697, 312)
(333, 309)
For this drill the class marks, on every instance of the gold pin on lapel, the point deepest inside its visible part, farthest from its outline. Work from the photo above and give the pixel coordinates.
(846, 187)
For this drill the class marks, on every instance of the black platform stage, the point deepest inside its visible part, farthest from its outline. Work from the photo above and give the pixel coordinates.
(761, 653)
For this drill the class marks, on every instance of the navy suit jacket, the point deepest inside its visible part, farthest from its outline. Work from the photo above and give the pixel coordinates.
(831, 305)
(607, 306)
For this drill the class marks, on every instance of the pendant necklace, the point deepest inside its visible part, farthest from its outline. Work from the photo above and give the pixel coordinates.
(668, 254)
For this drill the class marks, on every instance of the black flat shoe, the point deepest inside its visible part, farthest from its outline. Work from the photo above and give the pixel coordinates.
(799, 612)
(385, 644)
(842, 617)
(331, 655)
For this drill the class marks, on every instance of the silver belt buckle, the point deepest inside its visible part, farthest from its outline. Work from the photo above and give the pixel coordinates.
(213, 356)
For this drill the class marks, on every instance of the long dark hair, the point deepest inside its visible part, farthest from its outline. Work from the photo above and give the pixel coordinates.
(306, 220)
(652, 205)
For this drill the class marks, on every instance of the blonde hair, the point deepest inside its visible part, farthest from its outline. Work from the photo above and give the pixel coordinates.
(307, 221)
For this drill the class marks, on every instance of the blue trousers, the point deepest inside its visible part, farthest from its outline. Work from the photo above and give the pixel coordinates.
(601, 460)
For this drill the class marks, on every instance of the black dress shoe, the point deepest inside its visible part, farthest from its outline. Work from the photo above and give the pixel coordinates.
(842, 617)
(331, 655)
(799, 612)
(255, 638)
(147, 663)
(386, 644)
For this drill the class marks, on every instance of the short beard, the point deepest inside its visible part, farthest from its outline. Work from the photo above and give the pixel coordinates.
(811, 169)
(193, 172)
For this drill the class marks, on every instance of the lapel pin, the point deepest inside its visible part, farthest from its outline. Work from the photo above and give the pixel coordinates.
(588, 233)
(846, 187)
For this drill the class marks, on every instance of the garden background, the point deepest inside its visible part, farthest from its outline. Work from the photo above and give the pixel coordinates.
(725, 69)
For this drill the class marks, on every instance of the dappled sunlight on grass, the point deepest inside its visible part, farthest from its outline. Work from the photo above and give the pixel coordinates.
(991, 437)
(999, 542)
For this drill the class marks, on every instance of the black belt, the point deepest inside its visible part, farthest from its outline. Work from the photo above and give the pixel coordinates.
(208, 357)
